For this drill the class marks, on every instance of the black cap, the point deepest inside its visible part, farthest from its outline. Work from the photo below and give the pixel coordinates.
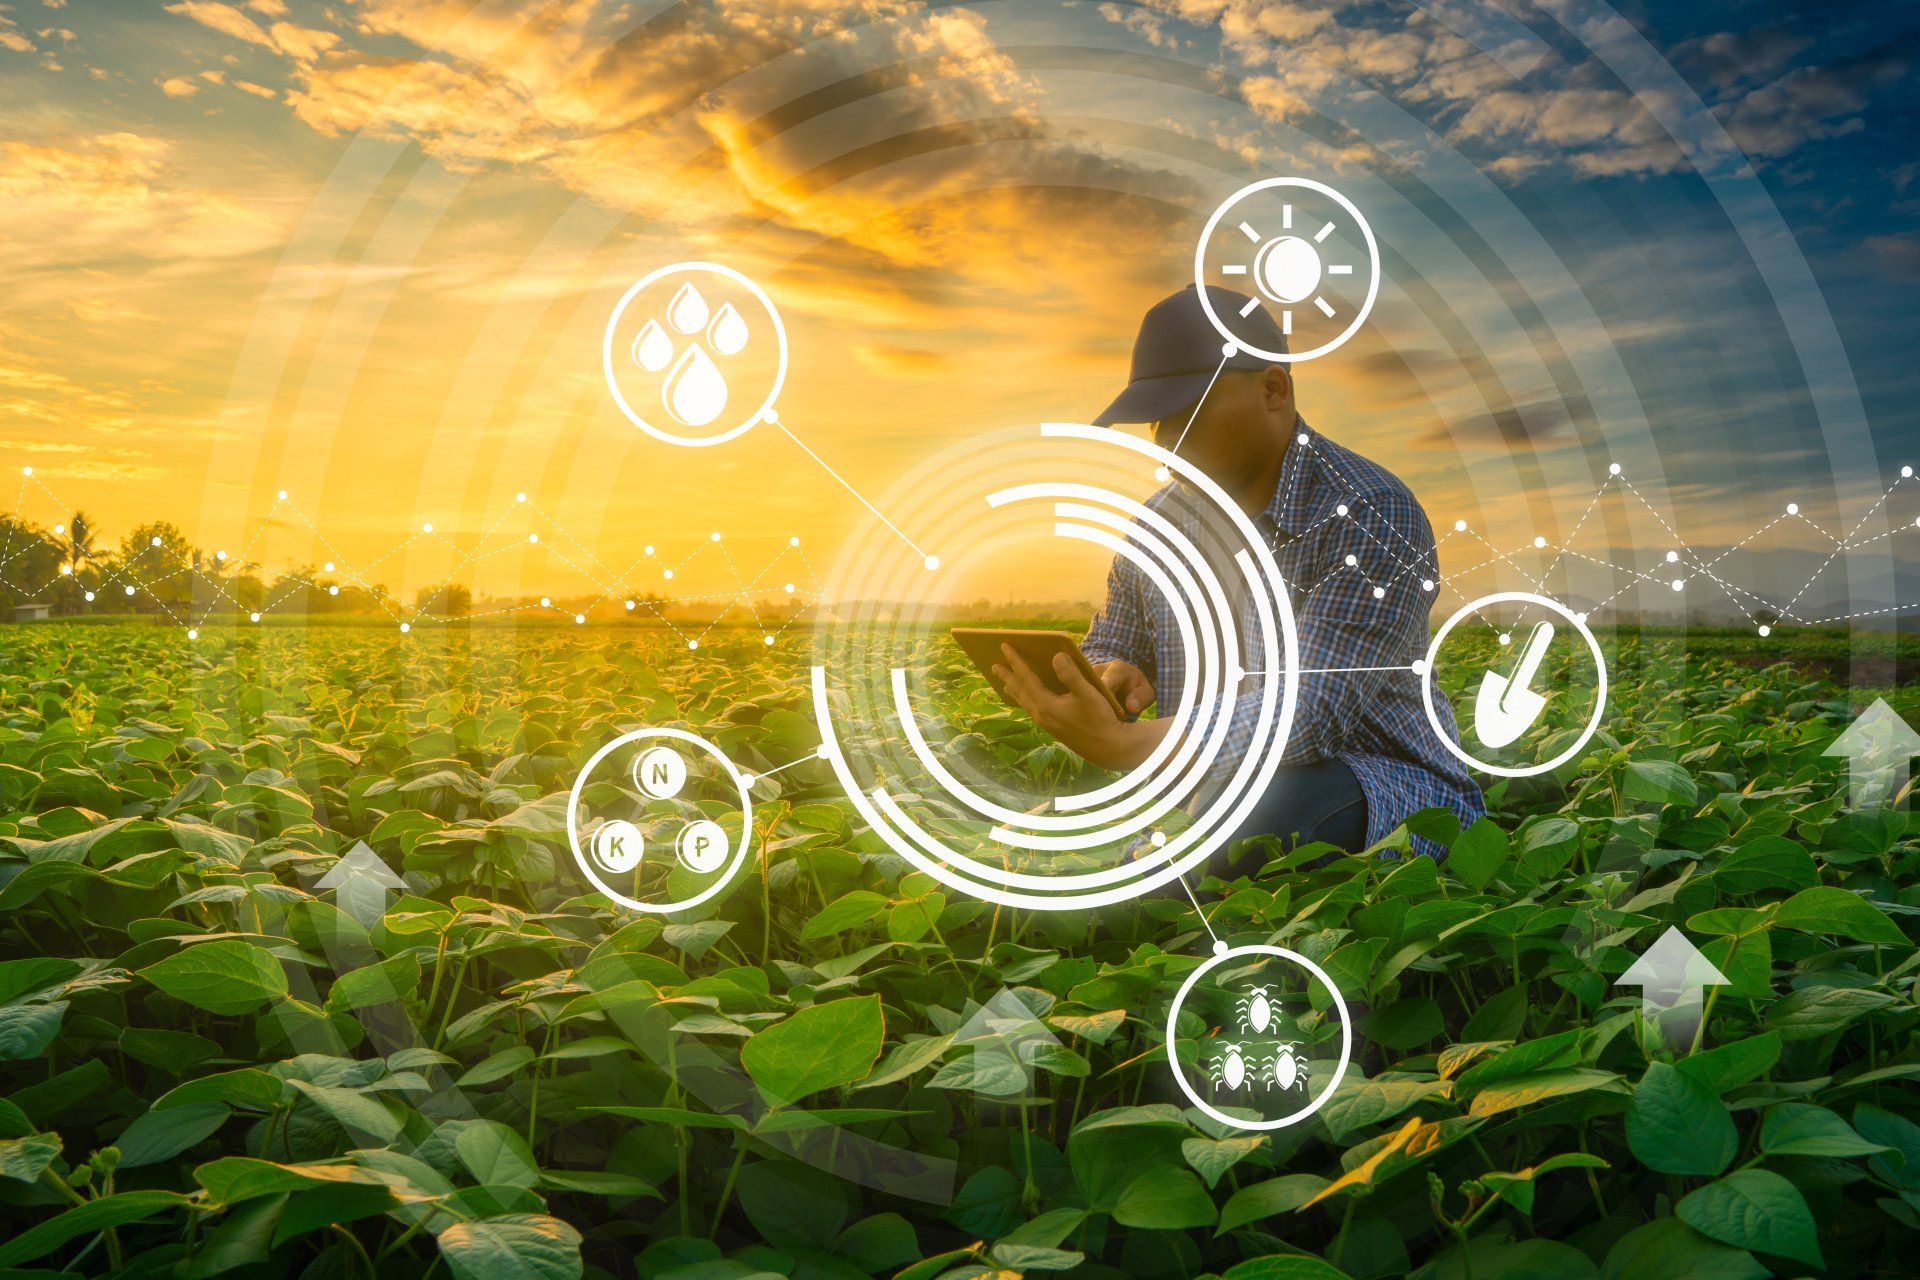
(1178, 350)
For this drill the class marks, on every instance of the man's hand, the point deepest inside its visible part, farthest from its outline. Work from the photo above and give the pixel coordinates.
(1081, 719)
(1127, 683)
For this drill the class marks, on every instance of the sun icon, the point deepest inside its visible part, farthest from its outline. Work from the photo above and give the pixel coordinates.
(1287, 269)
(1295, 268)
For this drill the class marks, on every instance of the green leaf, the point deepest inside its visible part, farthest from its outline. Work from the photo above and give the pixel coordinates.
(388, 981)
(86, 1219)
(1540, 1087)
(1767, 863)
(1478, 854)
(360, 1114)
(227, 976)
(497, 1066)
(1815, 1011)
(516, 1246)
(1801, 1129)
(913, 920)
(843, 913)
(27, 1029)
(816, 1048)
(163, 1134)
(1729, 1065)
(1755, 1209)
(496, 1155)
(1676, 1125)
(1164, 1198)
(906, 1059)
(1669, 1248)
(1825, 909)
(24, 1159)
(1659, 781)
(1287, 1266)
(1264, 1199)
(232, 1179)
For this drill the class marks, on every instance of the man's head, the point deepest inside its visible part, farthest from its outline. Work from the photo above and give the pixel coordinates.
(1243, 423)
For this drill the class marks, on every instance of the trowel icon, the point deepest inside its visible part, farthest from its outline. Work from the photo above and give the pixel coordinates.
(1507, 706)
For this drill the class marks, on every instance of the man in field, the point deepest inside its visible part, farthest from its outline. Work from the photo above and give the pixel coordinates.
(1357, 554)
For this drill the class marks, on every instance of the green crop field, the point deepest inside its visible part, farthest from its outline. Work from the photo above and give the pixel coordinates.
(209, 1064)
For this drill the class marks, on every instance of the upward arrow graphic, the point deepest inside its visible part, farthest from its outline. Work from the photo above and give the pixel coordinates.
(360, 882)
(1879, 747)
(1670, 975)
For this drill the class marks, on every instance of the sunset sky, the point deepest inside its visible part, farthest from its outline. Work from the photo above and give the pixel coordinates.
(364, 252)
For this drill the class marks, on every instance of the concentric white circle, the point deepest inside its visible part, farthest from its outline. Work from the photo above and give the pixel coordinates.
(1125, 813)
(608, 359)
(1433, 653)
(586, 862)
(1220, 957)
(1269, 184)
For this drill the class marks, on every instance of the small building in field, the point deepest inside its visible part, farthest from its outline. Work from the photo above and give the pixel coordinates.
(30, 612)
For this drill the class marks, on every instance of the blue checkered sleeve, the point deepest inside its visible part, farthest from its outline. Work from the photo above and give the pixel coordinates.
(1342, 624)
(1122, 631)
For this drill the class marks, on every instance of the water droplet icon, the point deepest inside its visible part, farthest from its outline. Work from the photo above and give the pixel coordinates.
(695, 392)
(729, 331)
(688, 310)
(653, 348)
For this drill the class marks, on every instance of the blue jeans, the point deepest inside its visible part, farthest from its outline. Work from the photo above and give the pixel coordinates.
(1309, 802)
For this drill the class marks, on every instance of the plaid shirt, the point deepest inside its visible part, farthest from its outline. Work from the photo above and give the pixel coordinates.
(1372, 720)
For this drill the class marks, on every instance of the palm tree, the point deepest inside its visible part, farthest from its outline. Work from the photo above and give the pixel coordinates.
(78, 552)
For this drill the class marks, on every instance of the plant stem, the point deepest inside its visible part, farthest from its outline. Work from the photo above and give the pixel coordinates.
(726, 1191)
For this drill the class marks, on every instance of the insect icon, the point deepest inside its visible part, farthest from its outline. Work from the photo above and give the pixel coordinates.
(1256, 1012)
(1286, 1068)
(1230, 1068)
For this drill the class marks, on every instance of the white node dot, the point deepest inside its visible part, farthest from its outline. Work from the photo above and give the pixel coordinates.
(821, 751)
(669, 573)
(1340, 510)
(1219, 948)
(283, 495)
(1906, 473)
(693, 644)
(1302, 437)
(715, 535)
(649, 548)
(1353, 561)
(89, 597)
(328, 566)
(1162, 474)
(747, 779)
(519, 497)
(1581, 618)
(129, 590)
(533, 537)
(193, 633)
(789, 588)
(59, 528)
(1793, 508)
(579, 618)
(629, 606)
(1506, 637)
(1613, 469)
(1426, 584)
(26, 471)
(1227, 349)
(66, 571)
(254, 617)
(1539, 541)
(427, 528)
(1459, 526)
(154, 543)
(333, 591)
(1679, 583)
(770, 414)
(1159, 839)
(1379, 593)
(1673, 557)
(933, 562)
(767, 640)
(1419, 666)
(793, 542)
(219, 555)
(1765, 630)
(546, 602)
(405, 627)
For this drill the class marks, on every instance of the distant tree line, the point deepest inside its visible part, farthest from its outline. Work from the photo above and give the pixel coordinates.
(154, 569)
